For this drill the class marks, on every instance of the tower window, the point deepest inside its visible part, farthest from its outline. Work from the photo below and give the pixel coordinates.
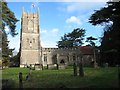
(27, 40)
(30, 44)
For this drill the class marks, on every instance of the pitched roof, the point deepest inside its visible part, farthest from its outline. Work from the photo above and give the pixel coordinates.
(86, 50)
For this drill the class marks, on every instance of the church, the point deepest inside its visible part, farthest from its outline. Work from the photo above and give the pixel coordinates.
(31, 51)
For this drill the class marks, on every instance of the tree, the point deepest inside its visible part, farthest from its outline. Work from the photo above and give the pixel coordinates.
(6, 52)
(109, 16)
(8, 19)
(81, 71)
(72, 39)
(15, 61)
(91, 40)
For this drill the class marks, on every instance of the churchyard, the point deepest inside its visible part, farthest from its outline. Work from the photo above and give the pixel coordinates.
(93, 78)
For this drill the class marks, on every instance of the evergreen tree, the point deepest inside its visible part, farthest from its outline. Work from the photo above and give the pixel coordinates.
(72, 39)
(8, 19)
(15, 61)
(109, 16)
(91, 40)
(6, 52)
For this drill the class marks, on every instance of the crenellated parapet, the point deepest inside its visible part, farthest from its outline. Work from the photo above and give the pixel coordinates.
(52, 49)
(30, 14)
(61, 50)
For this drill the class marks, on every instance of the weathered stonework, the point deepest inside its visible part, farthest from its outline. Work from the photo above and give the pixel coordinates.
(33, 53)
(30, 43)
(59, 55)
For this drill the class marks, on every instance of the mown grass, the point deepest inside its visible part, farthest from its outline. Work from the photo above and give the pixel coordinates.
(94, 78)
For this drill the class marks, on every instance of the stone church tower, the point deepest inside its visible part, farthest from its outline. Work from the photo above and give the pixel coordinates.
(30, 49)
(31, 52)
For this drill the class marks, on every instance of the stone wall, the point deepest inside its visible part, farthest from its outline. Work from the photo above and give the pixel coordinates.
(65, 56)
(59, 55)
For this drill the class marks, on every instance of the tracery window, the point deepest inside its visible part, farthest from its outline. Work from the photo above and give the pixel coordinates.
(45, 57)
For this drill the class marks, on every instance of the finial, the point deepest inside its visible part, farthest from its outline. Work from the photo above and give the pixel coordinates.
(22, 11)
(38, 11)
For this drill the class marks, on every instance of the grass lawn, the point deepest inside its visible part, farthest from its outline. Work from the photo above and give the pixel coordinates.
(94, 78)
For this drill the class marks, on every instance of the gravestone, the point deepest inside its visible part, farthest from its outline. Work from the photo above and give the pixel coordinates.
(62, 66)
(20, 77)
(106, 64)
(22, 65)
(20, 80)
(81, 71)
(52, 66)
(38, 67)
(33, 66)
(28, 77)
(75, 69)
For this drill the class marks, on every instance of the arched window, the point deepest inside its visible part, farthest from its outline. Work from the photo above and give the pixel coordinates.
(54, 59)
(62, 61)
(45, 57)
(74, 58)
